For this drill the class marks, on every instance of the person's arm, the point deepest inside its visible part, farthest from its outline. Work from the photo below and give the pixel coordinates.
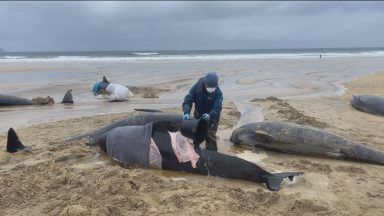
(217, 105)
(188, 100)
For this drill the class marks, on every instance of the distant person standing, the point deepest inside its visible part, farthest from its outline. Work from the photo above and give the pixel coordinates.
(208, 100)
(111, 91)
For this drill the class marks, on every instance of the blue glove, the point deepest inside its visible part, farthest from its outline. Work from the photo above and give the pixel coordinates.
(206, 117)
(186, 116)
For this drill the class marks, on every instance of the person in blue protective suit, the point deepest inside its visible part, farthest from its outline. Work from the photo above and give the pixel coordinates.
(111, 91)
(208, 99)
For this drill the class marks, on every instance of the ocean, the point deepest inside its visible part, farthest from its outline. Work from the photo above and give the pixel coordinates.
(156, 55)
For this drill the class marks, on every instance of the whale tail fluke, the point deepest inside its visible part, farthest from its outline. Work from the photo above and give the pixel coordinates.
(273, 181)
(13, 142)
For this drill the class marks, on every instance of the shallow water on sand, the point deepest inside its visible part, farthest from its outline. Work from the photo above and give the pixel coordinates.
(240, 80)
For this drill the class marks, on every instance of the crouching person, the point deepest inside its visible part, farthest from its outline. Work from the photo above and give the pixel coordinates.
(208, 99)
(111, 91)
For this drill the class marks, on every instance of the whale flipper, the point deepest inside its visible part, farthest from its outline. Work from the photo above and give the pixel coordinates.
(68, 97)
(13, 142)
(273, 181)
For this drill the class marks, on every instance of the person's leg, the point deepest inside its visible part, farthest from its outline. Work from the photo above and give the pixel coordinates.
(211, 139)
(196, 115)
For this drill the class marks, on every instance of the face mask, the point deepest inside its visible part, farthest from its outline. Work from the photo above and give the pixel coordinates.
(210, 90)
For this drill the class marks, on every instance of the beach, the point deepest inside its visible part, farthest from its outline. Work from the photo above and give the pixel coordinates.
(72, 179)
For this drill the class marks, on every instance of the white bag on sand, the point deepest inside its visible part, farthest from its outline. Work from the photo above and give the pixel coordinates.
(117, 92)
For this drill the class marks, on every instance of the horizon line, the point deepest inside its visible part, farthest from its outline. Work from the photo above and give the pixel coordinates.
(178, 50)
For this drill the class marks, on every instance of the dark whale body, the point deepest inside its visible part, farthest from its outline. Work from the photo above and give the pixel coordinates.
(7, 100)
(140, 119)
(303, 140)
(369, 104)
(210, 162)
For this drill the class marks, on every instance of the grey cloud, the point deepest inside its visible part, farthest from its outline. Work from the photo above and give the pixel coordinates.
(29, 26)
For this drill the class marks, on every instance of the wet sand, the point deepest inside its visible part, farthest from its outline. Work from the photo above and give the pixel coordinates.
(240, 79)
(71, 179)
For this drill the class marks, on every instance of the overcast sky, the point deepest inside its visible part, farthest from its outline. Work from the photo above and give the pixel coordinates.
(76, 26)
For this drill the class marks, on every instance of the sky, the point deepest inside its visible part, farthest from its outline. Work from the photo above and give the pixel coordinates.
(183, 25)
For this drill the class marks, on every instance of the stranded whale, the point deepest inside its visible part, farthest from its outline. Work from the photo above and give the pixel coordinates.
(369, 104)
(304, 140)
(120, 141)
(8, 100)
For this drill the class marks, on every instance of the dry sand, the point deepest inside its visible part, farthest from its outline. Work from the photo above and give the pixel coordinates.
(71, 179)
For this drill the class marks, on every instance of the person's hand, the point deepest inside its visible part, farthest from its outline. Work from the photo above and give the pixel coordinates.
(186, 116)
(206, 117)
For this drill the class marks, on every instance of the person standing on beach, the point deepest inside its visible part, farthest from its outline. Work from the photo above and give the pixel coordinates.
(111, 91)
(208, 100)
